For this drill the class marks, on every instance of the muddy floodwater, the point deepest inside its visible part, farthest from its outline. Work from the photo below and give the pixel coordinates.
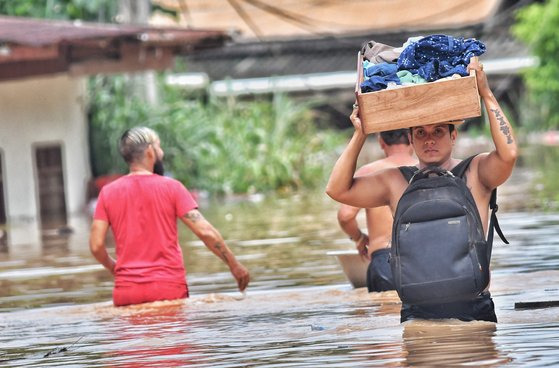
(299, 311)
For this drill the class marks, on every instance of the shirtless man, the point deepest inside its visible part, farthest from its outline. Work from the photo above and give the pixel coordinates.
(433, 146)
(375, 246)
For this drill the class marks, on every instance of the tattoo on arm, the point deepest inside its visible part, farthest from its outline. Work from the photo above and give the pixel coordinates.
(194, 216)
(219, 247)
(503, 127)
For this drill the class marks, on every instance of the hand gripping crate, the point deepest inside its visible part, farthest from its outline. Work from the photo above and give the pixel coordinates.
(420, 104)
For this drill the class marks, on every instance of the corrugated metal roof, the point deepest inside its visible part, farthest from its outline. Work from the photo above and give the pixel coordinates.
(32, 47)
(33, 32)
(39, 32)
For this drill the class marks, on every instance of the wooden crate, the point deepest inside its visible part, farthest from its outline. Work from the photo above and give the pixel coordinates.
(421, 104)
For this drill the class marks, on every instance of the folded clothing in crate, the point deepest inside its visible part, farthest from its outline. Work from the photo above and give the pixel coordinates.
(420, 60)
(396, 92)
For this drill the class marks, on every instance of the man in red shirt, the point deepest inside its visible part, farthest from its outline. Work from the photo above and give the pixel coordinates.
(142, 208)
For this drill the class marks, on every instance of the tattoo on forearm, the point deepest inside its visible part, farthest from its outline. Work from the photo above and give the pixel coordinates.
(221, 251)
(194, 216)
(503, 127)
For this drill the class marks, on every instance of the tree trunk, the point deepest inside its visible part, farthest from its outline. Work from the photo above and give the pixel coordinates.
(143, 84)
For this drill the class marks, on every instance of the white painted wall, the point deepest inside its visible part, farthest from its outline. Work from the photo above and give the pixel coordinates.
(35, 112)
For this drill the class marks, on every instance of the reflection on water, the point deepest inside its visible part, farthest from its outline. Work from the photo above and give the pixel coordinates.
(315, 326)
(545, 160)
(453, 343)
(299, 311)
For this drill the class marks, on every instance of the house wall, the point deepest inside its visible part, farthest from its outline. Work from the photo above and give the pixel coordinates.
(37, 112)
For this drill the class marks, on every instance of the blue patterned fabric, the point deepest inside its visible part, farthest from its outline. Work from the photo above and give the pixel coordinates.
(370, 69)
(377, 76)
(437, 56)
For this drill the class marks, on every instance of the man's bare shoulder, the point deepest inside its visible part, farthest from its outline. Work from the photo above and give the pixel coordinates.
(479, 157)
(473, 166)
(472, 173)
(383, 164)
(402, 160)
(381, 171)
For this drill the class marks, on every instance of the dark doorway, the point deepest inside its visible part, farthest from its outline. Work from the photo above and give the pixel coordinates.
(52, 201)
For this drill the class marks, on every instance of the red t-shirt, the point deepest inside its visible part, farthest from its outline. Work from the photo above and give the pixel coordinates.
(142, 211)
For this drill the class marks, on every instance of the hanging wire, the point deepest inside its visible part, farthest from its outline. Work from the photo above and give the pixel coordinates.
(302, 19)
(296, 19)
(185, 12)
(441, 14)
(246, 18)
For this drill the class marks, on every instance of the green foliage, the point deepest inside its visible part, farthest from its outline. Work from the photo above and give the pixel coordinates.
(113, 109)
(242, 147)
(235, 148)
(89, 10)
(546, 184)
(537, 25)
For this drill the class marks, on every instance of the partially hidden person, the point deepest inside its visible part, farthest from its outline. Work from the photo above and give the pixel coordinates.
(374, 245)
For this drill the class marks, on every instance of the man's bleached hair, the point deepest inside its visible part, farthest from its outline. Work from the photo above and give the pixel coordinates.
(134, 142)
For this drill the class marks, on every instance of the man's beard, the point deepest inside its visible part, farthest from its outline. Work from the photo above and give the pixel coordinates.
(158, 167)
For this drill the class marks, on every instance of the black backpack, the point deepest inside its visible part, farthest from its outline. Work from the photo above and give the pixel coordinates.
(439, 252)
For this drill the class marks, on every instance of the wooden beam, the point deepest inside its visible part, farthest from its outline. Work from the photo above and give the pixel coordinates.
(82, 50)
(13, 53)
(26, 69)
(133, 60)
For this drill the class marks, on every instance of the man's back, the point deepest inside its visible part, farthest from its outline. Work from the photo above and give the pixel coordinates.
(142, 211)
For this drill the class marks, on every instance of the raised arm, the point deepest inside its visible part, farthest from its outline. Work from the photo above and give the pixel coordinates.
(98, 234)
(495, 167)
(363, 192)
(214, 241)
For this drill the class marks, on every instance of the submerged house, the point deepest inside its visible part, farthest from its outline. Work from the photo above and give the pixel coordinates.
(44, 65)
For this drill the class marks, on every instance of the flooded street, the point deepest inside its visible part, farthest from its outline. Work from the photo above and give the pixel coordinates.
(299, 311)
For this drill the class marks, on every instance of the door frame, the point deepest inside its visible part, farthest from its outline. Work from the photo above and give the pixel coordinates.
(35, 148)
(3, 191)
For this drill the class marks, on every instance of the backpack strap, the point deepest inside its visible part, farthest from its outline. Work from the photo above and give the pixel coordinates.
(493, 222)
(408, 172)
(459, 170)
(429, 171)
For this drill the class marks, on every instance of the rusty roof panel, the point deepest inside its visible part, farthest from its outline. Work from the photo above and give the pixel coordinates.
(39, 32)
(31, 47)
